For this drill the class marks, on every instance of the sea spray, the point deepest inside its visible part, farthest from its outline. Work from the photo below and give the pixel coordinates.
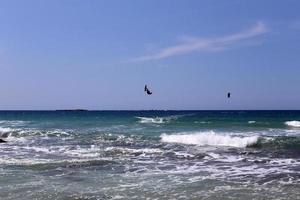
(209, 138)
(293, 123)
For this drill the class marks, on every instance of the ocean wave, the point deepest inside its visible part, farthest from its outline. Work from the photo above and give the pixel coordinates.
(8, 132)
(202, 122)
(251, 122)
(160, 120)
(50, 164)
(154, 120)
(293, 123)
(54, 154)
(124, 150)
(13, 122)
(23, 132)
(278, 142)
(5, 130)
(209, 138)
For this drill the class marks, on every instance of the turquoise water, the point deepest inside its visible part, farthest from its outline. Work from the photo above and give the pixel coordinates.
(150, 154)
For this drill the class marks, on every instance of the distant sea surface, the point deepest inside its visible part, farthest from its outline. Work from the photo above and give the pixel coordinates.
(149, 155)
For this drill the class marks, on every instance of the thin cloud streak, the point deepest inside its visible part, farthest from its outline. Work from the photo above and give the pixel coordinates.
(208, 44)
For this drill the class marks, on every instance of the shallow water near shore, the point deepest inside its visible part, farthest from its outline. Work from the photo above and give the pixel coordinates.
(150, 154)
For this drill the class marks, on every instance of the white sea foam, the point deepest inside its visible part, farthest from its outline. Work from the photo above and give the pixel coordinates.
(23, 161)
(293, 123)
(160, 120)
(23, 132)
(209, 138)
(130, 150)
(155, 120)
(13, 122)
(251, 122)
(5, 130)
(33, 161)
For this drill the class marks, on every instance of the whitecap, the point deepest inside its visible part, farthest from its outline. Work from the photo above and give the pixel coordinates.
(13, 122)
(130, 150)
(6, 130)
(293, 123)
(154, 120)
(209, 138)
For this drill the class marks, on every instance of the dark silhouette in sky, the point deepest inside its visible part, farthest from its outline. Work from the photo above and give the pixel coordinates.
(228, 95)
(147, 90)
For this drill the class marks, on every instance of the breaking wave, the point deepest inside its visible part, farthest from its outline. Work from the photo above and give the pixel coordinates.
(161, 120)
(278, 142)
(5, 130)
(20, 132)
(155, 120)
(293, 123)
(14, 123)
(210, 139)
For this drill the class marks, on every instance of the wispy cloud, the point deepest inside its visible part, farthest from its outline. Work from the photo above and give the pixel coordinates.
(204, 44)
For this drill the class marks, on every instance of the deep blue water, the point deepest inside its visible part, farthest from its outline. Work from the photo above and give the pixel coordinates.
(150, 154)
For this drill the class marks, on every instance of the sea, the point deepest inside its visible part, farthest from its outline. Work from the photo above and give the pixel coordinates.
(91, 155)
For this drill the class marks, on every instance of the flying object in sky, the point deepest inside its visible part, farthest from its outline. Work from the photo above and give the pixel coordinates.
(228, 95)
(147, 90)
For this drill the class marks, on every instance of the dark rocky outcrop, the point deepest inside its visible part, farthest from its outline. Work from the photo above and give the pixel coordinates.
(2, 141)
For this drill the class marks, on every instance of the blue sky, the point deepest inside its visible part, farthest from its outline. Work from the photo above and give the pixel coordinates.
(94, 54)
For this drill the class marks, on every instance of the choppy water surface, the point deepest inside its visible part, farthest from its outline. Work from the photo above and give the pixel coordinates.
(150, 154)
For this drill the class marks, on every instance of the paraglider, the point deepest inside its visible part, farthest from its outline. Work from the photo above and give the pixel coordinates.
(147, 90)
(228, 95)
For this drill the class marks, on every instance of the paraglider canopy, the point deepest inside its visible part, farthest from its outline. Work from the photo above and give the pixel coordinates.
(147, 90)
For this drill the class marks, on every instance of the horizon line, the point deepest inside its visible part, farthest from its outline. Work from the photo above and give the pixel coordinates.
(134, 110)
